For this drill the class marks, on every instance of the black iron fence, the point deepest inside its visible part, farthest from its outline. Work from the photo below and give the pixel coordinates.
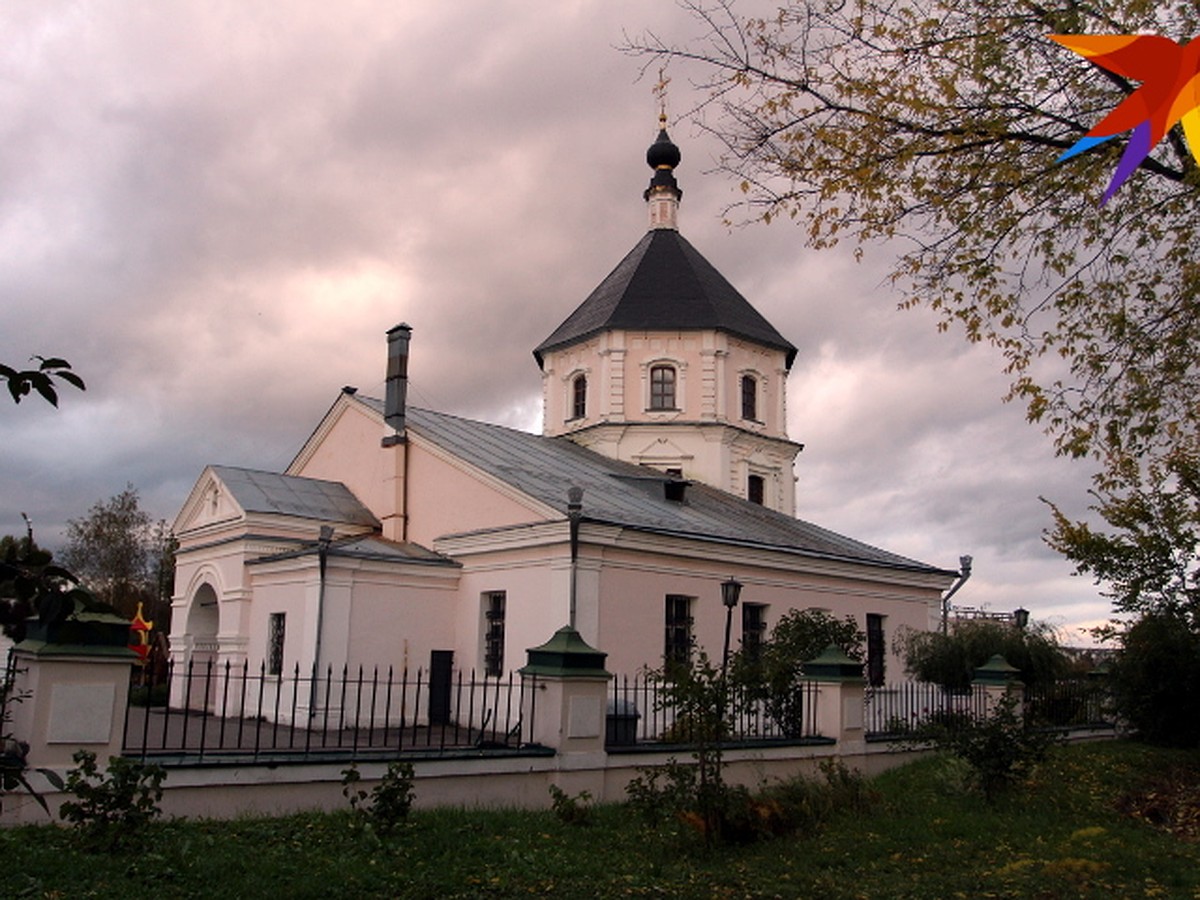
(647, 709)
(899, 709)
(216, 710)
(1073, 703)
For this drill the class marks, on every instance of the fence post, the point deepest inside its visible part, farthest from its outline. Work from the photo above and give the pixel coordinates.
(73, 677)
(566, 704)
(998, 679)
(841, 690)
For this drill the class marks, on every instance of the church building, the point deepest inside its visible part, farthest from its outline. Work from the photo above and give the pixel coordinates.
(399, 535)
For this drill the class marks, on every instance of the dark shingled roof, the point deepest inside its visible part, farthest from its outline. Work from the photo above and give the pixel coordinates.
(632, 496)
(291, 495)
(664, 284)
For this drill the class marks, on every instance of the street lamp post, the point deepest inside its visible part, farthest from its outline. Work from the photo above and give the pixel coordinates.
(731, 591)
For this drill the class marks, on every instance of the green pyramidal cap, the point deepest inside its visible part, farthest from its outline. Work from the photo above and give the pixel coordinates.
(566, 654)
(997, 671)
(833, 665)
(83, 633)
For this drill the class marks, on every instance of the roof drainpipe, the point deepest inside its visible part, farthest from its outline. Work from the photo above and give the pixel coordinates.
(574, 516)
(323, 542)
(964, 572)
(397, 383)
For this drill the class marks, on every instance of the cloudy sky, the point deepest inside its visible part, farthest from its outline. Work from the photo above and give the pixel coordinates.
(215, 210)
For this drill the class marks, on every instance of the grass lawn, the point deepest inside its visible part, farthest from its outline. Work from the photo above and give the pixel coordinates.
(1097, 820)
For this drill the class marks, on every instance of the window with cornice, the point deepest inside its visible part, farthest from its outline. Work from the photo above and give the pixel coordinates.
(579, 397)
(755, 489)
(750, 398)
(662, 387)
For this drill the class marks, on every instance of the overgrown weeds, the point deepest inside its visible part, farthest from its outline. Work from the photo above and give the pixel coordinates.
(1000, 748)
(571, 809)
(111, 808)
(737, 815)
(383, 808)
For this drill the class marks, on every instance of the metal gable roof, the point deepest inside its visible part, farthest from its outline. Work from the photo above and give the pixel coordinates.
(665, 284)
(290, 495)
(632, 496)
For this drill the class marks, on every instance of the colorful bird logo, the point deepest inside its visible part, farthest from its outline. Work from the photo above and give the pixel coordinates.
(1170, 93)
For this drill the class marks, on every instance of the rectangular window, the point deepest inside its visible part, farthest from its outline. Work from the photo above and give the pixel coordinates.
(662, 387)
(677, 646)
(493, 633)
(749, 398)
(754, 628)
(276, 627)
(754, 489)
(579, 397)
(876, 649)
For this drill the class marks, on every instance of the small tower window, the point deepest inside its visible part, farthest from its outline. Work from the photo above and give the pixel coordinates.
(579, 397)
(750, 398)
(662, 387)
(754, 489)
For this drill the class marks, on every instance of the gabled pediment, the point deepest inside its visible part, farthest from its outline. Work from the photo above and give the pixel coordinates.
(659, 451)
(225, 494)
(210, 503)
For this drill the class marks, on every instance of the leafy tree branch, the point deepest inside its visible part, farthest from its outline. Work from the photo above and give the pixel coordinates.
(21, 382)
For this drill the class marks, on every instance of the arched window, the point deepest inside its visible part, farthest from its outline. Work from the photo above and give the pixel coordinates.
(750, 398)
(579, 397)
(662, 387)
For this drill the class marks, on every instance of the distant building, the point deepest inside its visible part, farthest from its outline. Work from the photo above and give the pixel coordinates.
(408, 537)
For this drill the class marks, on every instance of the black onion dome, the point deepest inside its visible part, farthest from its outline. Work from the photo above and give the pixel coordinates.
(663, 153)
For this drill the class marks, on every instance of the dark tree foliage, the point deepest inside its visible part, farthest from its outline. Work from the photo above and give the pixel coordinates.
(32, 585)
(774, 672)
(951, 659)
(1156, 680)
(1149, 560)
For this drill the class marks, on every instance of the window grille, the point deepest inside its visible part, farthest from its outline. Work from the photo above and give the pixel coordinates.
(276, 628)
(493, 640)
(677, 645)
(754, 628)
(876, 649)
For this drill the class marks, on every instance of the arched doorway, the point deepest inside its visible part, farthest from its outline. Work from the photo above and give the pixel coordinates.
(195, 673)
